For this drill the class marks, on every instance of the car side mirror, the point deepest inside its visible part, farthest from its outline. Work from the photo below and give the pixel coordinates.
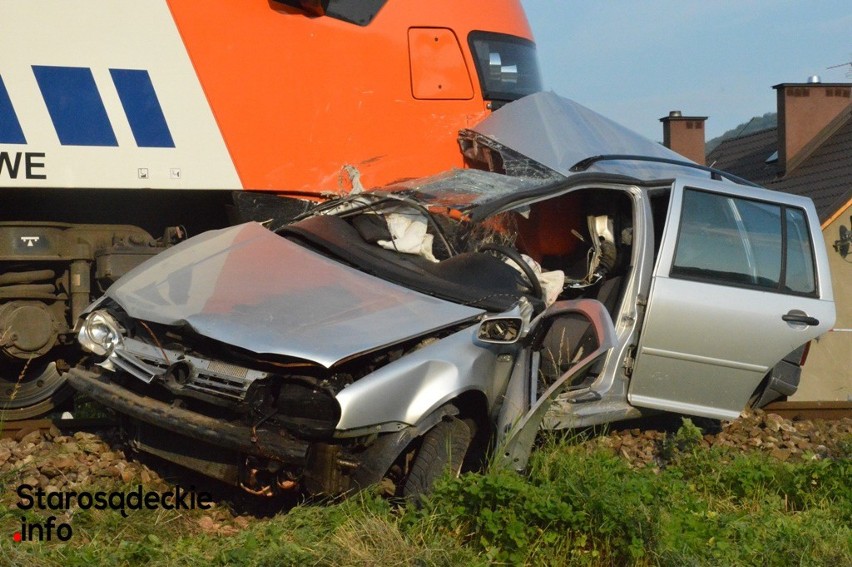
(500, 330)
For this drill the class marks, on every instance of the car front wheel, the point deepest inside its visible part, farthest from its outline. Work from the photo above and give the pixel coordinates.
(443, 447)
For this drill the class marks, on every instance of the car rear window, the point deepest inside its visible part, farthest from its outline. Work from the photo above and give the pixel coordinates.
(743, 242)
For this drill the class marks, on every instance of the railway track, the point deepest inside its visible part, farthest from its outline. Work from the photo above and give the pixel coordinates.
(787, 410)
(17, 429)
(810, 410)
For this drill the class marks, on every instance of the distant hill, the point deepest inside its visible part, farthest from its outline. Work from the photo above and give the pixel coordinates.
(756, 124)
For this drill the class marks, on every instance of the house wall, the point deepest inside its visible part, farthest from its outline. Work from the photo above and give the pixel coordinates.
(827, 374)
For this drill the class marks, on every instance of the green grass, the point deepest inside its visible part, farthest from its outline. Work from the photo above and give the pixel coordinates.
(577, 506)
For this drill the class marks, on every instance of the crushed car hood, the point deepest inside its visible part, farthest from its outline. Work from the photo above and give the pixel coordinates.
(248, 287)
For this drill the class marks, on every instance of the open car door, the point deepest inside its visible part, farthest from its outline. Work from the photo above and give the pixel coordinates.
(738, 285)
(588, 316)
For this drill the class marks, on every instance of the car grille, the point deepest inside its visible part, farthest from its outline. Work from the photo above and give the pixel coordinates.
(149, 363)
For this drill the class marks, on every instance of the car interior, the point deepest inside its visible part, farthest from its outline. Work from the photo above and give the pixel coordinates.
(586, 234)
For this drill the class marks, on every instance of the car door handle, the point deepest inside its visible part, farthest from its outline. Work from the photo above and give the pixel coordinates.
(794, 317)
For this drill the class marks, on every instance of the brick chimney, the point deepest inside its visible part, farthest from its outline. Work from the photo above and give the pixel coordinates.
(805, 109)
(684, 135)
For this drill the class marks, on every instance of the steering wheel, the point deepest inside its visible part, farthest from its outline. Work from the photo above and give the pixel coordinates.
(515, 257)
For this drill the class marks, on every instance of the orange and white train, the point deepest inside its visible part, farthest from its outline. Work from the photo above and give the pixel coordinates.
(119, 120)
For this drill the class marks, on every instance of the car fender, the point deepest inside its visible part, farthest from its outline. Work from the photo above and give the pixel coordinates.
(404, 392)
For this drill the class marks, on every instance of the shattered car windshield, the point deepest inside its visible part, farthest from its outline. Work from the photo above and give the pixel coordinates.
(463, 189)
(414, 239)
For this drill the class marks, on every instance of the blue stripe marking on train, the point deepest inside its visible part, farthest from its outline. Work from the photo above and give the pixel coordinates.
(75, 106)
(142, 108)
(10, 127)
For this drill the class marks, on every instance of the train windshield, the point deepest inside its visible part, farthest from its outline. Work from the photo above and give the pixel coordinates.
(507, 65)
(359, 12)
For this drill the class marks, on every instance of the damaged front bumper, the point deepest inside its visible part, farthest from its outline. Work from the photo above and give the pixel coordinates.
(267, 444)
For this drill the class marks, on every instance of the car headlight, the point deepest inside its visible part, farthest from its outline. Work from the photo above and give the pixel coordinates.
(307, 408)
(100, 333)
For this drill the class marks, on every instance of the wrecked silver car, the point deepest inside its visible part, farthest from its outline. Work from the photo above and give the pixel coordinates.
(581, 275)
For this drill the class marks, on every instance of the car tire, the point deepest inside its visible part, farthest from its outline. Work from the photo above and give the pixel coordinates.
(443, 447)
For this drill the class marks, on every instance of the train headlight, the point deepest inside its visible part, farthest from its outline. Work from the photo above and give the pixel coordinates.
(100, 333)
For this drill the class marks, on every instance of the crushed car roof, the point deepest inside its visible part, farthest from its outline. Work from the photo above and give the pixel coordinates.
(559, 133)
(546, 142)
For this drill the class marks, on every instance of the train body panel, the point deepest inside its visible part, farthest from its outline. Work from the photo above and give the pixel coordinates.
(111, 101)
(260, 95)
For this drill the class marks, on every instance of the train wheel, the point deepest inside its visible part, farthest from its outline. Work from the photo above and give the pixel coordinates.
(30, 389)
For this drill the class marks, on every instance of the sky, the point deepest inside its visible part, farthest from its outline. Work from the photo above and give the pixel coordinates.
(635, 60)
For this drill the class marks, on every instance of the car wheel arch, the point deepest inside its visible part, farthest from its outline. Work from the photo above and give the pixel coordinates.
(469, 407)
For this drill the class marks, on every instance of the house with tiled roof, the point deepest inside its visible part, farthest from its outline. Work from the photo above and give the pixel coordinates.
(809, 153)
(752, 156)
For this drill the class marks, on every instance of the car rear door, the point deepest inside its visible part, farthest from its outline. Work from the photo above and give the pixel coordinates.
(740, 281)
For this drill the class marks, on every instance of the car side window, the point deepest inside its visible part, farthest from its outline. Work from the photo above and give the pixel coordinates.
(744, 243)
(800, 262)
